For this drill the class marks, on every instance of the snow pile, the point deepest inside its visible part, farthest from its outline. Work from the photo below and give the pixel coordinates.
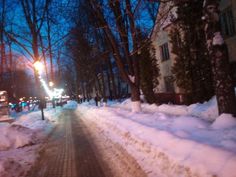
(19, 141)
(175, 143)
(4, 167)
(34, 121)
(16, 136)
(224, 121)
(165, 108)
(218, 39)
(208, 110)
(27, 129)
(173, 109)
(17, 162)
(71, 105)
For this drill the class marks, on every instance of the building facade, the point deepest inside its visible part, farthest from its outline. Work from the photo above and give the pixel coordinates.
(165, 58)
(167, 89)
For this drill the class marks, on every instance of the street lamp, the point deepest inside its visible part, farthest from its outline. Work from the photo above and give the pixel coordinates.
(39, 68)
(51, 84)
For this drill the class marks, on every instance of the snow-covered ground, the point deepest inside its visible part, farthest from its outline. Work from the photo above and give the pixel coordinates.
(20, 140)
(165, 140)
(169, 140)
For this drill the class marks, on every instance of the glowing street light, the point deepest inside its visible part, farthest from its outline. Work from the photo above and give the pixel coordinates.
(39, 69)
(38, 66)
(51, 84)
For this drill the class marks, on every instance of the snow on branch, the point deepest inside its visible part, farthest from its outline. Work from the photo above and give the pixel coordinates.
(218, 39)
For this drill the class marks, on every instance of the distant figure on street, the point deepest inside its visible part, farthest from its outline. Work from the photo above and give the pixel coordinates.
(53, 102)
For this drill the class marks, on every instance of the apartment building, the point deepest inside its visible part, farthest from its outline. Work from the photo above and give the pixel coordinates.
(161, 41)
(167, 89)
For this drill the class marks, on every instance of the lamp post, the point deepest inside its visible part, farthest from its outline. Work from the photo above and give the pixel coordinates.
(51, 84)
(39, 68)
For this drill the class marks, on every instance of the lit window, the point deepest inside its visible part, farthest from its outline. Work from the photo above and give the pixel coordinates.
(227, 22)
(164, 52)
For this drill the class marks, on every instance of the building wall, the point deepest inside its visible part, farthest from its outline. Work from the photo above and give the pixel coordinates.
(160, 36)
(230, 41)
(166, 65)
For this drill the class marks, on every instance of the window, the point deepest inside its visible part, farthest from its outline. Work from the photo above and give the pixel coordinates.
(227, 23)
(169, 84)
(164, 52)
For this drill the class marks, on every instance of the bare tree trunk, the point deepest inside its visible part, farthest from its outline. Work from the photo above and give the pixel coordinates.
(11, 69)
(44, 57)
(88, 90)
(3, 59)
(99, 87)
(123, 32)
(59, 66)
(136, 83)
(114, 92)
(10, 59)
(84, 92)
(2, 47)
(103, 84)
(135, 94)
(217, 48)
(34, 23)
(50, 47)
(109, 84)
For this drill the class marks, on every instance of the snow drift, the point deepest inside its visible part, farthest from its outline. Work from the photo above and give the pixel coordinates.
(20, 141)
(16, 136)
(170, 140)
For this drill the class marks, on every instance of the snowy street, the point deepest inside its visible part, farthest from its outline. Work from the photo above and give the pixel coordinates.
(67, 151)
(113, 88)
(61, 146)
(85, 140)
(71, 151)
(166, 140)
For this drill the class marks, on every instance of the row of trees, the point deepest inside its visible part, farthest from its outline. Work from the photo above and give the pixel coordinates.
(192, 68)
(201, 63)
(108, 45)
(111, 38)
(116, 32)
(30, 31)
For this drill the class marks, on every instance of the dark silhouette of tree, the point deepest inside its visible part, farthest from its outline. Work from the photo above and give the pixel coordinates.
(192, 67)
(223, 82)
(121, 31)
(149, 71)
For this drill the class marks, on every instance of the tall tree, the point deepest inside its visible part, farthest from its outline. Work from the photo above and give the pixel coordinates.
(50, 45)
(35, 18)
(223, 82)
(84, 56)
(121, 31)
(192, 67)
(149, 71)
(2, 42)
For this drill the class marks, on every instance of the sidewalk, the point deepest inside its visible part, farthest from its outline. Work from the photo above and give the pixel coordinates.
(68, 152)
